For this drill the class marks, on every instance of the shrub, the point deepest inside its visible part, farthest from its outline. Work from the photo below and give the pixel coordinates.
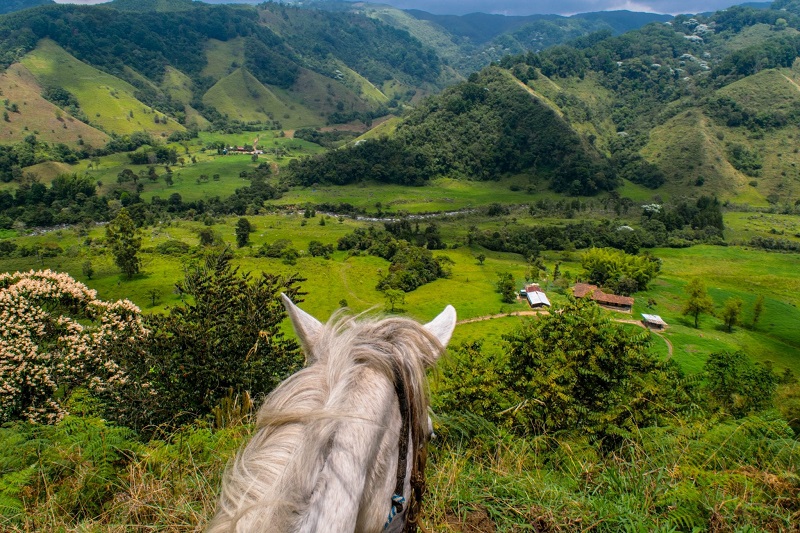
(173, 247)
(225, 340)
(46, 351)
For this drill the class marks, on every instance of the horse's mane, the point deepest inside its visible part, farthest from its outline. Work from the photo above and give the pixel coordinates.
(271, 481)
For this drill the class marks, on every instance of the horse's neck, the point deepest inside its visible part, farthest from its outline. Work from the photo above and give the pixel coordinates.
(354, 487)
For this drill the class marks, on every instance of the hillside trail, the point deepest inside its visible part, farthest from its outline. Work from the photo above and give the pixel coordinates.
(790, 80)
(534, 313)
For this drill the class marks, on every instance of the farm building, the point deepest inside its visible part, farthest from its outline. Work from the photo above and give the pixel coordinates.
(620, 303)
(535, 296)
(653, 321)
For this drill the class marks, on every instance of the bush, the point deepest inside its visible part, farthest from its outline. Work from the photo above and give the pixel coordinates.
(227, 341)
(576, 370)
(173, 247)
(46, 351)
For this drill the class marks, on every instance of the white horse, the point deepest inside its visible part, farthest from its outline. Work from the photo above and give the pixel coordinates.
(340, 445)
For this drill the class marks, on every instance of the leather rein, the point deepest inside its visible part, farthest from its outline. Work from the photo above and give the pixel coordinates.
(413, 506)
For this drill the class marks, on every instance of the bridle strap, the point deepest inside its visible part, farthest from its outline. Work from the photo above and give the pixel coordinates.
(414, 504)
(405, 431)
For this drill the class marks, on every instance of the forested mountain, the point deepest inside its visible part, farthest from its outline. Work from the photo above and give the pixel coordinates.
(189, 64)
(489, 125)
(470, 42)
(700, 105)
(17, 5)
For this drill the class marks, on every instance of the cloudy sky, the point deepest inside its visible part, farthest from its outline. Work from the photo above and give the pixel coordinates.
(529, 7)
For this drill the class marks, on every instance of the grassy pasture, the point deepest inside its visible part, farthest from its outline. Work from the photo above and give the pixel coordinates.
(443, 194)
(107, 100)
(221, 56)
(37, 116)
(728, 271)
(741, 227)
(241, 96)
(178, 85)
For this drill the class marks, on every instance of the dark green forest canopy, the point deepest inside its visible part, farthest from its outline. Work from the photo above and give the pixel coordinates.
(148, 41)
(477, 129)
(9, 6)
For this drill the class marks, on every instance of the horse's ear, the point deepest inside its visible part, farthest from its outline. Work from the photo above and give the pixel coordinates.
(443, 325)
(306, 326)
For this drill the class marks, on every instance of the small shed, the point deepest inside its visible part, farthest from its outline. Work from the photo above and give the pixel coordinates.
(537, 299)
(653, 321)
(535, 296)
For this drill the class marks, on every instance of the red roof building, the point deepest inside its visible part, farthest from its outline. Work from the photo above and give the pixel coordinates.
(582, 290)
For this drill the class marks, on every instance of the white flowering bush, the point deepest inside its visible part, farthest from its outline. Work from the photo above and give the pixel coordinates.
(55, 335)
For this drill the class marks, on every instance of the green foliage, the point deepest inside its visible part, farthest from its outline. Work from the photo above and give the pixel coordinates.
(394, 297)
(317, 249)
(411, 266)
(732, 312)
(698, 301)
(621, 272)
(748, 161)
(737, 385)
(507, 287)
(173, 247)
(576, 370)
(243, 231)
(226, 337)
(74, 466)
(471, 381)
(125, 241)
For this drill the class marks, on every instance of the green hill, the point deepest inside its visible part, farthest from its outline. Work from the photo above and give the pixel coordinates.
(175, 59)
(107, 100)
(242, 97)
(36, 115)
(770, 91)
(479, 129)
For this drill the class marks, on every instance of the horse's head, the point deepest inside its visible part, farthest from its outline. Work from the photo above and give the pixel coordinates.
(341, 444)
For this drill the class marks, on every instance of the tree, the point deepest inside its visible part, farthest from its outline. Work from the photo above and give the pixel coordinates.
(56, 336)
(207, 237)
(317, 249)
(394, 297)
(226, 339)
(125, 241)
(732, 312)
(576, 370)
(506, 287)
(737, 385)
(88, 269)
(698, 301)
(153, 294)
(607, 266)
(758, 308)
(243, 230)
(481, 258)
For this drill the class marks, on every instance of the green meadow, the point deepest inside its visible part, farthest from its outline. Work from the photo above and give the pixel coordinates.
(330, 283)
(107, 101)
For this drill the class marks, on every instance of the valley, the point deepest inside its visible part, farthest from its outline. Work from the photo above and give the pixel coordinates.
(191, 161)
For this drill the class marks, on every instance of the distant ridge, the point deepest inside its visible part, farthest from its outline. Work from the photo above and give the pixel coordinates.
(483, 27)
(9, 6)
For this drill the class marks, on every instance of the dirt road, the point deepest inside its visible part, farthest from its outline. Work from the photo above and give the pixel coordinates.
(544, 312)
